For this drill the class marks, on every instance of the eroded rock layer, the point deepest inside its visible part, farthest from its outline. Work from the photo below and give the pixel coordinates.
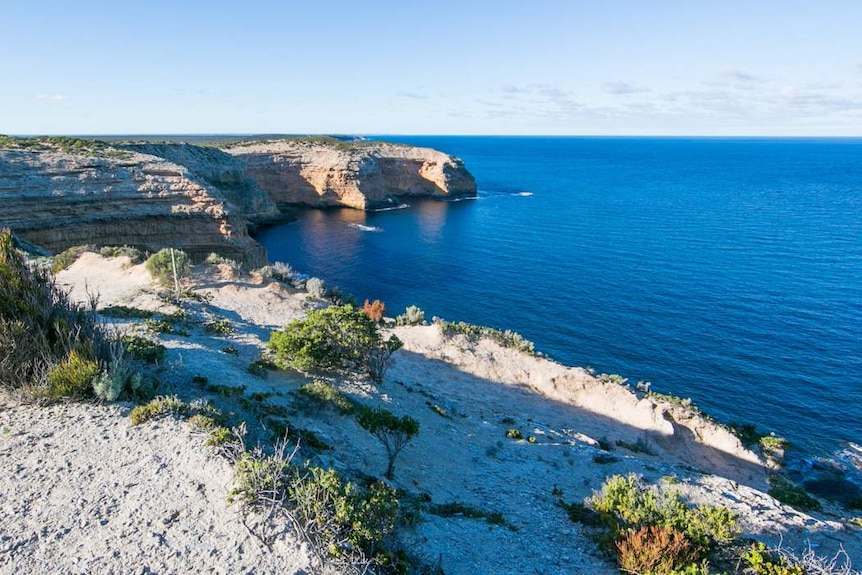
(362, 175)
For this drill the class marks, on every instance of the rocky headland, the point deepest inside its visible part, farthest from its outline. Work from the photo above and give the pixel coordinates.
(62, 192)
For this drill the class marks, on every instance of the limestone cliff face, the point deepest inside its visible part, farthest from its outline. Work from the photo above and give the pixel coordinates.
(362, 175)
(65, 192)
(57, 199)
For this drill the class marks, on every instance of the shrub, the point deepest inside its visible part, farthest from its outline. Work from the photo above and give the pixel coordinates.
(764, 562)
(514, 434)
(325, 394)
(219, 326)
(787, 492)
(169, 266)
(159, 407)
(332, 338)
(411, 316)
(143, 349)
(654, 550)
(393, 432)
(626, 504)
(215, 259)
(66, 258)
(134, 254)
(458, 509)
(120, 379)
(772, 443)
(315, 288)
(39, 326)
(125, 312)
(72, 378)
(260, 367)
(375, 311)
(505, 338)
(279, 271)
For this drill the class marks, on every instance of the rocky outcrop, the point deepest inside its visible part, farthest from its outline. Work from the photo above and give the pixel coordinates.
(61, 192)
(321, 172)
(57, 199)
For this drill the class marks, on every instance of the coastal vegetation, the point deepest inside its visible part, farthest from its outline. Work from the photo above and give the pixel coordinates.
(507, 338)
(391, 431)
(334, 338)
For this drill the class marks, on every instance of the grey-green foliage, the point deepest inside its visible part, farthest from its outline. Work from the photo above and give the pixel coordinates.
(315, 287)
(507, 338)
(120, 379)
(392, 431)
(413, 315)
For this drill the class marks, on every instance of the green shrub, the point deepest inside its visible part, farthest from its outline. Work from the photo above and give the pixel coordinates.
(626, 504)
(411, 316)
(219, 326)
(213, 424)
(120, 380)
(125, 312)
(392, 431)
(162, 264)
(39, 325)
(134, 254)
(143, 349)
(261, 367)
(225, 390)
(333, 338)
(159, 407)
(787, 492)
(72, 378)
(325, 394)
(66, 258)
(458, 509)
(763, 562)
(514, 434)
(772, 443)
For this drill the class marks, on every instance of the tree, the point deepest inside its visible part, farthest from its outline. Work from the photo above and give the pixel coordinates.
(333, 338)
(392, 431)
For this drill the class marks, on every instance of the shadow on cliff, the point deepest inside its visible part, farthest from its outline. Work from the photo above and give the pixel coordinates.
(680, 448)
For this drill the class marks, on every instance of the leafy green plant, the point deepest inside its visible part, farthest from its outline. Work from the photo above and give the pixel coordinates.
(216, 259)
(784, 490)
(324, 394)
(125, 312)
(143, 349)
(764, 562)
(219, 326)
(514, 434)
(392, 431)
(261, 367)
(134, 254)
(772, 443)
(332, 338)
(66, 258)
(72, 378)
(169, 266)
(158, 407)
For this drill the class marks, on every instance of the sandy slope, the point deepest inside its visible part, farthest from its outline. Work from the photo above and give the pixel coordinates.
(465, 395)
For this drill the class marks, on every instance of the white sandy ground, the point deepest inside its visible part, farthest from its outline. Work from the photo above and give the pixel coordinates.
(82, 491)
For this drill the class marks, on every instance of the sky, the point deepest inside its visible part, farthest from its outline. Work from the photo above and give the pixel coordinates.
(562, 67)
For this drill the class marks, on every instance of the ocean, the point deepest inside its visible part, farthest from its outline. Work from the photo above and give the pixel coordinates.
(724, 270)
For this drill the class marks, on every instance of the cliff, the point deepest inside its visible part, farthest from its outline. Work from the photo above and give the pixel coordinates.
(58, 196)
(60, 192)
(322, 172)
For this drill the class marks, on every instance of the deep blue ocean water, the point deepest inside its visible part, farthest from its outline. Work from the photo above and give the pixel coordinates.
(725, 270)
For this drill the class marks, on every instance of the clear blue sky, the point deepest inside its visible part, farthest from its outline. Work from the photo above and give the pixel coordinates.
(766, 67)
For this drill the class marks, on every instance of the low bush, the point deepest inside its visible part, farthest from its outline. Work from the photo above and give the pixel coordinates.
(411, 316)
(219, 326)
(121, 380)
(762, 561)
(325, 394)
(505, 338)
(514, 434)
(627, 505)
(392, 431)
(655, 550)
(159, 407)
(72, 378)
(458, 509)
(333, 338)
(40, 327)
(143, 349)
(374, 310)
(279, 271)
(66, 258)
(215, 259)
(315, 288)
(125, 312)
(169, 265)
(261, 367)
(784, 490)
(639, 446)
(134, 254)
(772, 443)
